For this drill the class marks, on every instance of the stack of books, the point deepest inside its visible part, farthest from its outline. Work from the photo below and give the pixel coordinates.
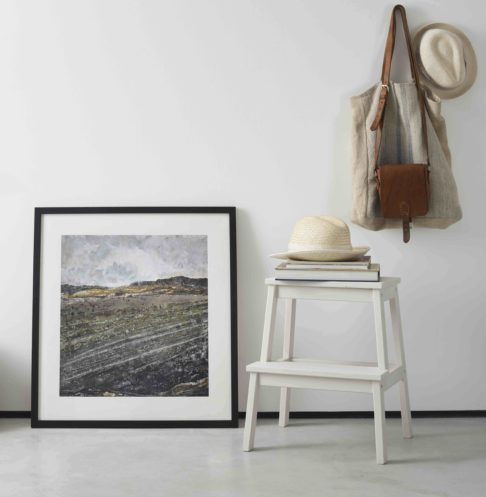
(361, 269)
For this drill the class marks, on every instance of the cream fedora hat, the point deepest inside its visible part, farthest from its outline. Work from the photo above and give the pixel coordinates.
(446, 59)
(321, 238)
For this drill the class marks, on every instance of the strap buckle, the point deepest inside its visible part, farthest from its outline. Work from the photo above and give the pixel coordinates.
(387, 87)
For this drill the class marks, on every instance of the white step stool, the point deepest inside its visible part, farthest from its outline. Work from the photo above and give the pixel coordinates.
(289, 372)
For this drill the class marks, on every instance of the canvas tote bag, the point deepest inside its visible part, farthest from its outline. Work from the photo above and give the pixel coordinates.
(402, 142)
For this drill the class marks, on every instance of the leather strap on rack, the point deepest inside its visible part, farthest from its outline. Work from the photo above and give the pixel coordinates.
(377, 124)
(405, 212)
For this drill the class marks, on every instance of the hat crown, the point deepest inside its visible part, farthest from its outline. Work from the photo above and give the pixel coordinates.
(442, 56)
(320, 232)
(446, 59)
(321, 239)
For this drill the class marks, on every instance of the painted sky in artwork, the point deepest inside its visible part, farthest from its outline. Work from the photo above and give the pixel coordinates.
(116, 260)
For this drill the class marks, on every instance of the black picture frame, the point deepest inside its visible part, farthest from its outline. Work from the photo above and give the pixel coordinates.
(36, 422)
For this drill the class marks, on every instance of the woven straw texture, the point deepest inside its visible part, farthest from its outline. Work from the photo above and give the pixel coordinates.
(321, 238)
(320, 232)
(430, 52)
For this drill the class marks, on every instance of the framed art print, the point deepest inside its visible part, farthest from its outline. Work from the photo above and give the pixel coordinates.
(134, 317)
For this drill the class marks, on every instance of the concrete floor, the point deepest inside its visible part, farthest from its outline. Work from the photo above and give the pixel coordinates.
(321, 458)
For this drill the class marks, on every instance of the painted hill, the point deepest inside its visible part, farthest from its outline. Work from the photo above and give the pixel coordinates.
(177, 285)
(176, 281)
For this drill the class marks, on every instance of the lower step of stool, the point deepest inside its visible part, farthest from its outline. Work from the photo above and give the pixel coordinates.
(324, 369)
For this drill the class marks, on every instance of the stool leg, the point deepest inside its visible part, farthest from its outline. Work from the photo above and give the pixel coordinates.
(288, 351)
(380, 330)
(379, 409)
(405, 409)
(251, 412)
(269, 324)
(382, 357)
(400, 353)
(266, 352)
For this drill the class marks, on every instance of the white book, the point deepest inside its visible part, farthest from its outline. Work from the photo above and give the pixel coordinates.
(372, 274)
(362, 263)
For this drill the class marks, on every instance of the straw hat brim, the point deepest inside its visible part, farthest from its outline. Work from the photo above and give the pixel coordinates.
(469, 55)
(323, 255)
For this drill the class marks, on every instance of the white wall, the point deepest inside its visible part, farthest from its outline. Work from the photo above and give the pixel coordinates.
(241, 103)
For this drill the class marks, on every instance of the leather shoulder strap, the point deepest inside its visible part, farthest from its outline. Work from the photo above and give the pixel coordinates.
(377, 124)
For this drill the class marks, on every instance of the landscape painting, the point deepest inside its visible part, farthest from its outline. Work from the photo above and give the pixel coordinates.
(134, 316)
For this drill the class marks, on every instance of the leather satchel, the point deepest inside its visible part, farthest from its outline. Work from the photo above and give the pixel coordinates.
(403, 188)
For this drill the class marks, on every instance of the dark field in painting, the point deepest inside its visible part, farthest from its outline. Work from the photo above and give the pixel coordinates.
(145, 339)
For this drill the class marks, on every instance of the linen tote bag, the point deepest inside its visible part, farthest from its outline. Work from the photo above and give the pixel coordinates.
(401, 143)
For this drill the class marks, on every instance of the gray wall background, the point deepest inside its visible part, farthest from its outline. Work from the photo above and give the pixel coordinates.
(236, 103)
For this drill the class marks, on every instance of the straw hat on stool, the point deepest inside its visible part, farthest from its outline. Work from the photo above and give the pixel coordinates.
(321, 238)
(446, 60)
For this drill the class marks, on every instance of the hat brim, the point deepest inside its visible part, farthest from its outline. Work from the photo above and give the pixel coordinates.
(469, 55)
(329, 255)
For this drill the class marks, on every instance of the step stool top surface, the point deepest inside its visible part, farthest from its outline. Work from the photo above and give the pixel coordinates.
(385, 282)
